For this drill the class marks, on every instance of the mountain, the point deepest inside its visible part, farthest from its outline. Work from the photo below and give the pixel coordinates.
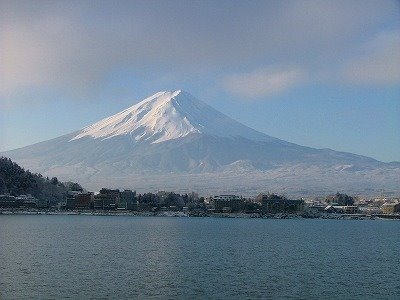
(173, 141)
(168, 116)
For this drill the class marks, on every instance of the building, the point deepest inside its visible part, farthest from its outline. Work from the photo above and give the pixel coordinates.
(24, 201)
(106, 199)
(28, 201)
(317, 207)
(226, 203)
(42, 204)
(271, 203)
(128, 200)
(98, 202)
(369, 210)
(390, 208)
(83, 200)
(8, 201)
(70, 202)
(342, 209)
(347, 209)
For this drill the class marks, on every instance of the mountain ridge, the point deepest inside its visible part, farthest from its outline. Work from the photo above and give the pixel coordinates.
(172, 134)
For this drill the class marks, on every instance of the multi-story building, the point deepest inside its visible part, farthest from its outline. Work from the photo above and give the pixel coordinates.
(70, 202)
(98, 202)
(106, 199)
(226, 203)
(128, 200)
(83, 200)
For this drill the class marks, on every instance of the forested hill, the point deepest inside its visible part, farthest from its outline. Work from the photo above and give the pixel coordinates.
(16, 181)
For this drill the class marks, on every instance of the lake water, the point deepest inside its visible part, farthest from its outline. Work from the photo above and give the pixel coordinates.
(98, 257)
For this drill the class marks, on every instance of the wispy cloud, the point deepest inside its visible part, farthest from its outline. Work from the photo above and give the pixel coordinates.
(74, 45)
(379, 64)
(262, 83)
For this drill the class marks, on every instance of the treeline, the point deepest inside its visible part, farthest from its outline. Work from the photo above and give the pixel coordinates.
(192, 201)
(17, 181)
(171, 199)
(340, 199)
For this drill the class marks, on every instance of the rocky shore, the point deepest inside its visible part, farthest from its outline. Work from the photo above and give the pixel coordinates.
(304, 215)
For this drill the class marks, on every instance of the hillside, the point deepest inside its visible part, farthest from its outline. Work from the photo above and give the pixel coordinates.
(16, 181)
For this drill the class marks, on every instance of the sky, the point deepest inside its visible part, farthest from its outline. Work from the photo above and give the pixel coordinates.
(324, 74)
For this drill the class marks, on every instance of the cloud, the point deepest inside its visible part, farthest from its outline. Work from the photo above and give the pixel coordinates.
(263, 83)
(379, 64)
(75, 45)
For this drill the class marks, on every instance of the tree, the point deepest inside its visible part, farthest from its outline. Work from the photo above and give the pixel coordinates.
(3, 188)
(340, 199)
(16, 180)
(73, 186)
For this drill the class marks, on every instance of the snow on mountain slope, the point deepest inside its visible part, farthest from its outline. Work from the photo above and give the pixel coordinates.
(173, 141)
(166, 116)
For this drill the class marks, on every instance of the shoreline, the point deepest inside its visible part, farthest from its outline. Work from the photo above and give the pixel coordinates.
(180, 214)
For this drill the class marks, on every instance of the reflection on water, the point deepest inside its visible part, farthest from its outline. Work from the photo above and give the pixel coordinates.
(149, 257)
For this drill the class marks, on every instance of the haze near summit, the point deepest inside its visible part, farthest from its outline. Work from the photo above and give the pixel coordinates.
(324, 74)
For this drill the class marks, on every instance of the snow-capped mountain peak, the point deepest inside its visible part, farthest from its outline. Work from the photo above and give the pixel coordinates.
(173, 141)
(166, 116)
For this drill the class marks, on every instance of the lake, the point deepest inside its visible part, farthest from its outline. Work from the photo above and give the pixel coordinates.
(99, 257)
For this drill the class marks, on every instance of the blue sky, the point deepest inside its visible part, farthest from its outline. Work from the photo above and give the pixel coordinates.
(324, 74)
